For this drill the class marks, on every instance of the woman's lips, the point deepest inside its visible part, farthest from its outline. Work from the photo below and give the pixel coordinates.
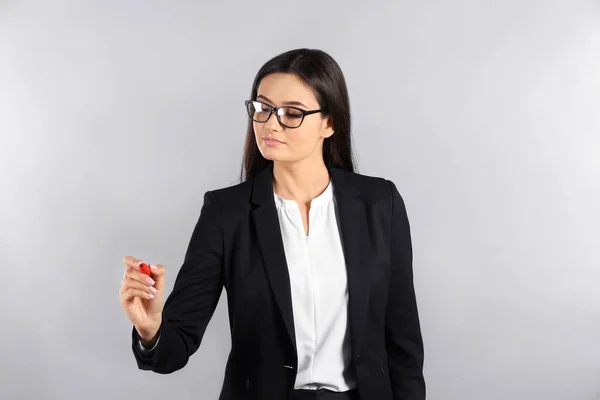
(269, 141)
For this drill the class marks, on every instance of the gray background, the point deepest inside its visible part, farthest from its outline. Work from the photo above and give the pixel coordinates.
(117, 116)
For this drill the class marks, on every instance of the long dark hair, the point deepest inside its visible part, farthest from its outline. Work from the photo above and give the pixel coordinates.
(323, 74)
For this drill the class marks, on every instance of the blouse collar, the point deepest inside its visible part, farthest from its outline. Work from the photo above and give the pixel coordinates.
(321, 200)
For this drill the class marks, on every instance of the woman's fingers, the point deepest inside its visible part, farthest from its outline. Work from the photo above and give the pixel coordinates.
(134, 284)
(131, 261)
(132, 271)
(133, 264)
(130, 293)
(139, 277)
(157, 271)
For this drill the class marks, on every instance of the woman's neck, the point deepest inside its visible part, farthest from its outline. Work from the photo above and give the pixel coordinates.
(301, 181)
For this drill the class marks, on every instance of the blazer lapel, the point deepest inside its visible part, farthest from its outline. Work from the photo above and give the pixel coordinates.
(353, 230)
(352, 220)
(270, 242)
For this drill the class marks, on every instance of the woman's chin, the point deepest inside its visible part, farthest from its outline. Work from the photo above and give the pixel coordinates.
(272, 154)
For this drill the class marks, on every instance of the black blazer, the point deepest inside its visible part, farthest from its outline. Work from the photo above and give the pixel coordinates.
(237, 244)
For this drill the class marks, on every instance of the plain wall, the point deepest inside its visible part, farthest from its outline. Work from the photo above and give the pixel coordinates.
(117, 116)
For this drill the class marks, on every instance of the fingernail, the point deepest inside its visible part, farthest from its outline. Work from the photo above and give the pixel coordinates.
(150, 280)
(150, 296)
(152, 266)
(153, 290)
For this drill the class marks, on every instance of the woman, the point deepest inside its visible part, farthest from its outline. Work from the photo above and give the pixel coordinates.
(315, 258)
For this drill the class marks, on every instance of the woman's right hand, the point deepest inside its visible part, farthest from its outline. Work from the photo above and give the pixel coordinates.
(142, 297)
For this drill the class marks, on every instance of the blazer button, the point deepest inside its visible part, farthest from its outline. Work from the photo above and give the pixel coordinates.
(359, 360)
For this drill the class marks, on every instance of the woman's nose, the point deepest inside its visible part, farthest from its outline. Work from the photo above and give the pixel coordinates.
(273, 123)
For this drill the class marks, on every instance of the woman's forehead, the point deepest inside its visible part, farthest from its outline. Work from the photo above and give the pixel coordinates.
(282, 88)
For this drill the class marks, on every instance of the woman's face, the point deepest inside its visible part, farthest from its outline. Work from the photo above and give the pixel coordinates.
(292, 144)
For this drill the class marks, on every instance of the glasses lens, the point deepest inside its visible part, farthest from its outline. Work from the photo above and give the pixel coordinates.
(290, 117)
(258, 111)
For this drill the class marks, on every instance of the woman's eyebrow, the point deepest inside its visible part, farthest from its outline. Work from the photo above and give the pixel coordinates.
(295, 103)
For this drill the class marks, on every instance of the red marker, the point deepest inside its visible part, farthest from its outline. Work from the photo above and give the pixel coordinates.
(145, 269)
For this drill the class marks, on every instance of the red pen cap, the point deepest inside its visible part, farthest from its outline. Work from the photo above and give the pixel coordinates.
(145, 269)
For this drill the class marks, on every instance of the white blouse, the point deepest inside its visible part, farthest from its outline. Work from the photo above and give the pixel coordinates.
(318, 281)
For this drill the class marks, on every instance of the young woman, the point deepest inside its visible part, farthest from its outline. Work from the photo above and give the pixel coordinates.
(316, 259)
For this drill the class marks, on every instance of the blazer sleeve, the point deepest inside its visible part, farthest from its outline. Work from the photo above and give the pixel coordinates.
(195, 295)
(402, 328)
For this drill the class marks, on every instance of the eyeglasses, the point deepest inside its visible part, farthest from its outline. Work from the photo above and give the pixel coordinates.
(288, 116)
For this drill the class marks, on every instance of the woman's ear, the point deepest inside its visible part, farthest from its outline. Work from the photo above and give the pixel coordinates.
(328, 131)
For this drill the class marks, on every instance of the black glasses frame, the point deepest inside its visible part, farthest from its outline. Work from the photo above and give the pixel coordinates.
(275, 109)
